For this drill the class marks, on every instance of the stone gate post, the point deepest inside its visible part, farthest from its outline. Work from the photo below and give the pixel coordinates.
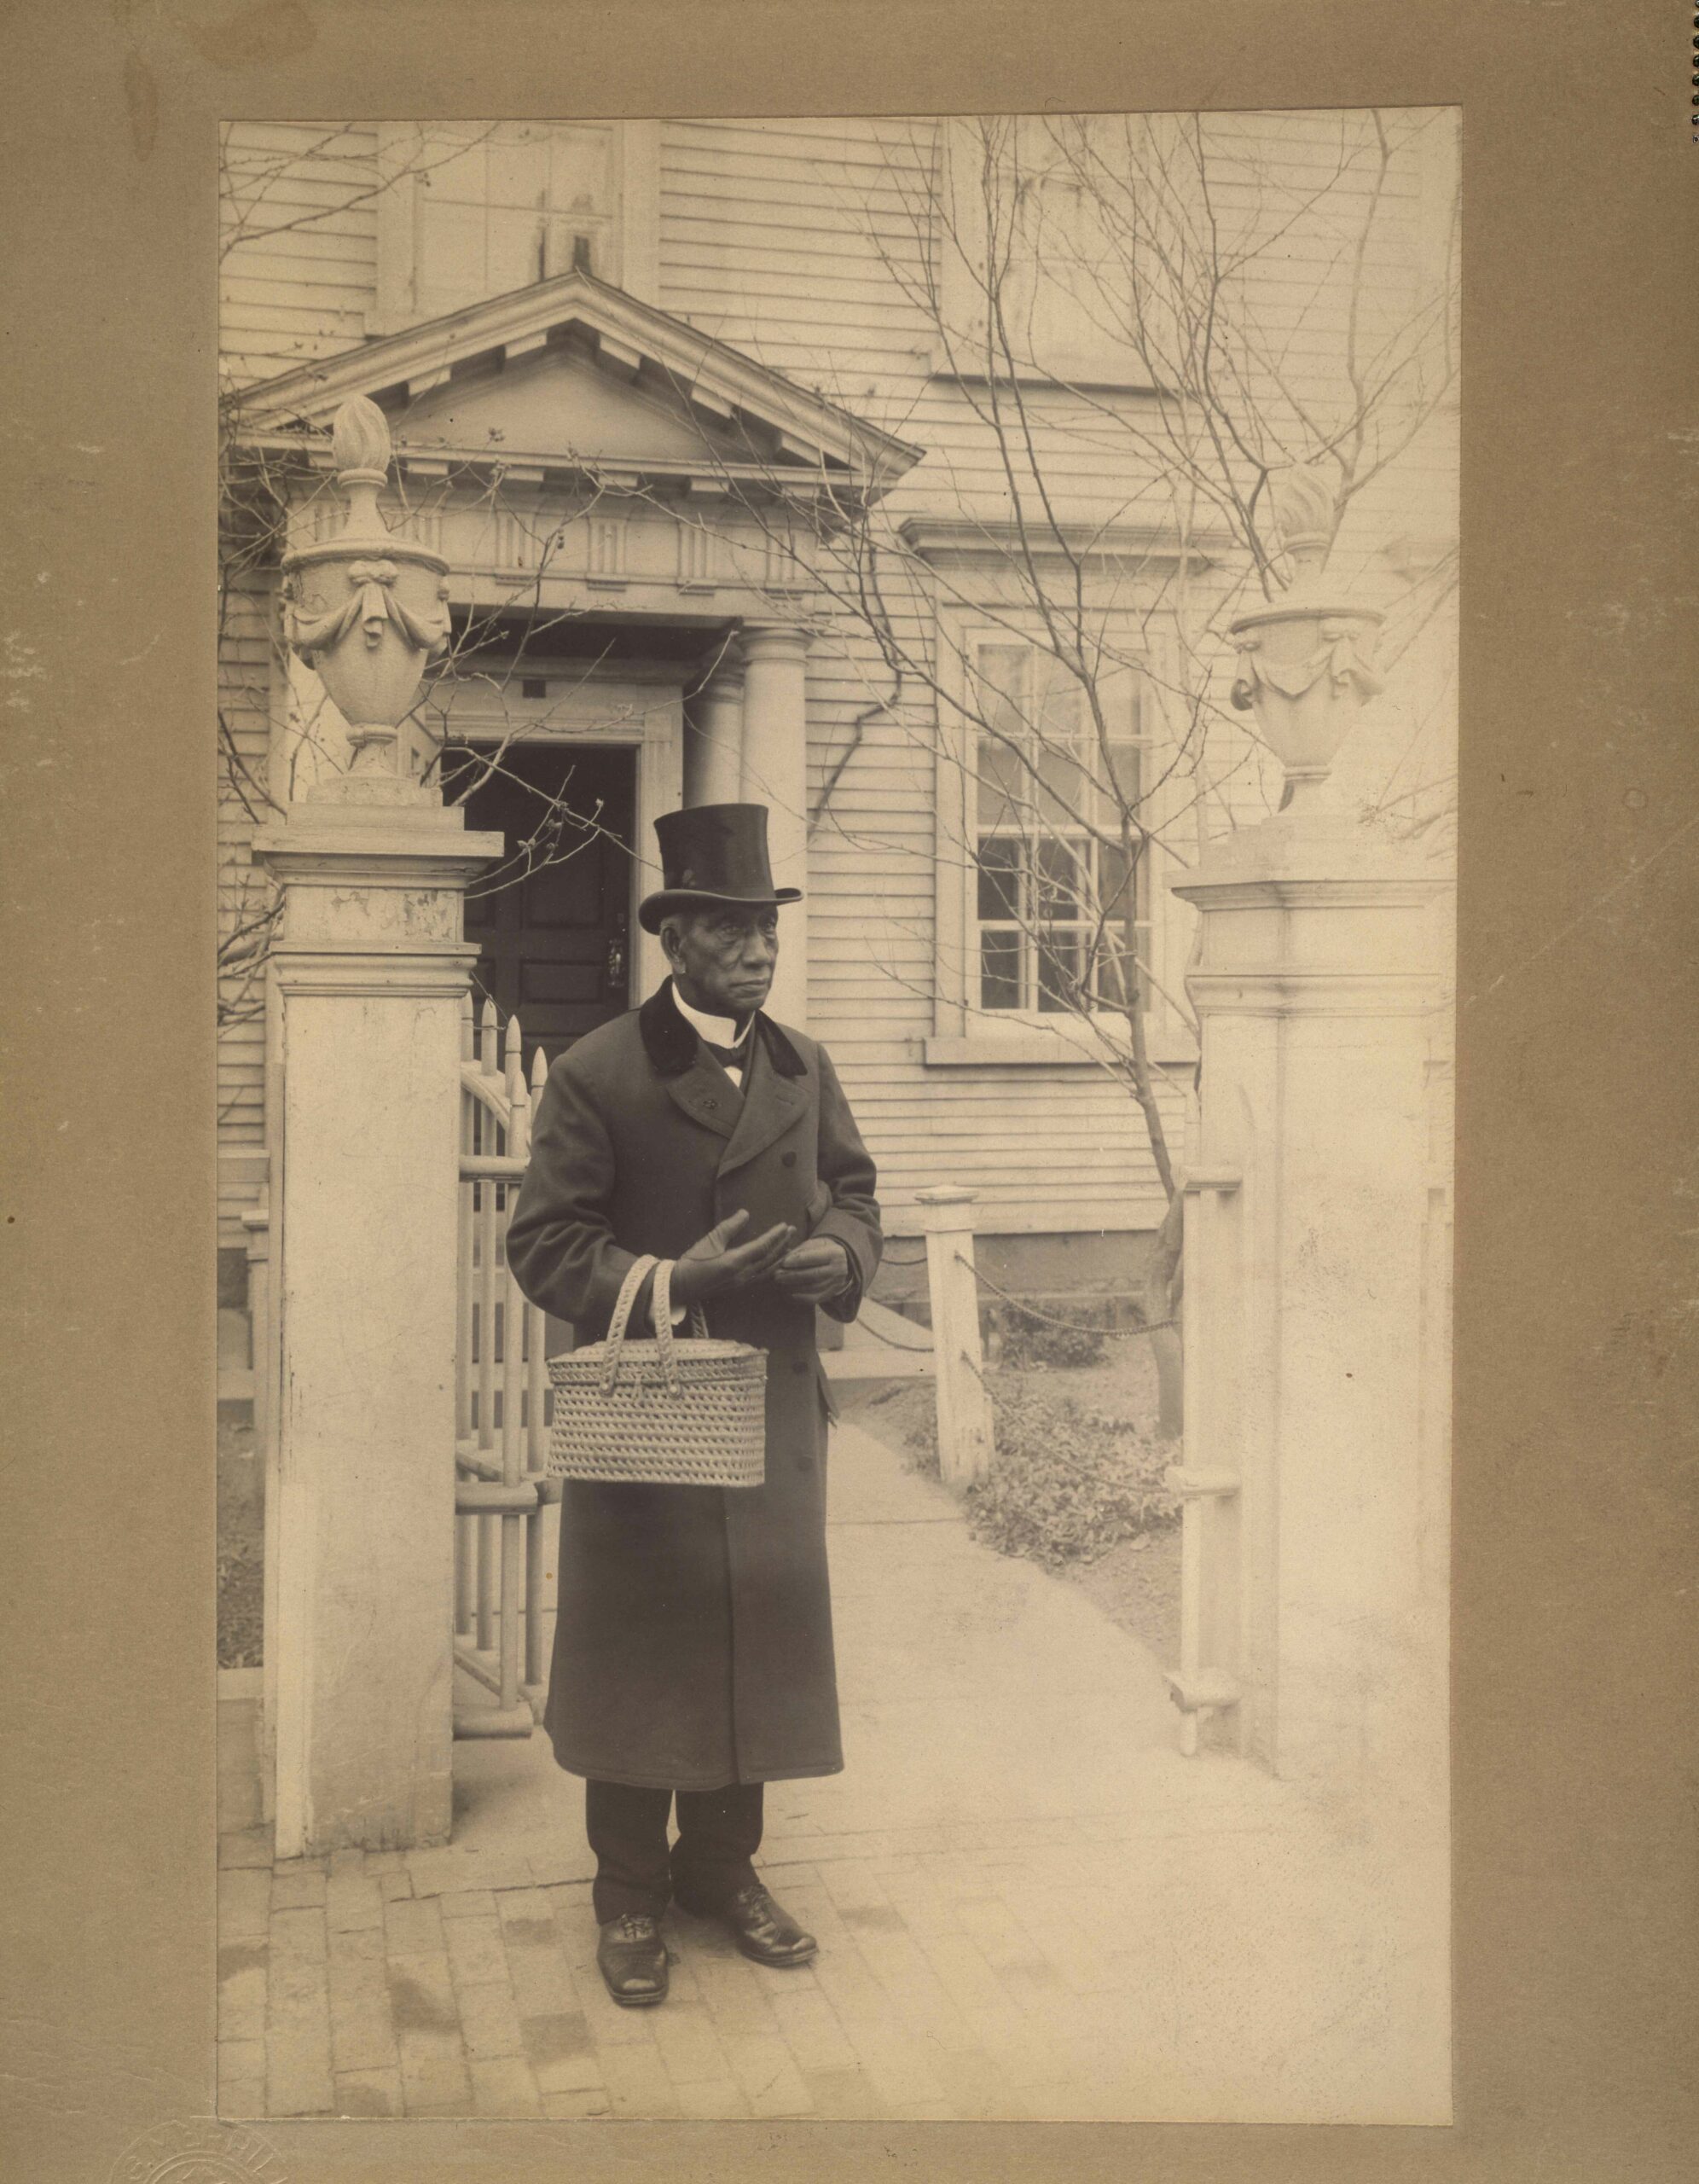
(371, 968)
(1313, 1479)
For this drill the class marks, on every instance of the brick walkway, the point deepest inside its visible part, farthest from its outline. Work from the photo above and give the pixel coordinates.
(1028, 1906)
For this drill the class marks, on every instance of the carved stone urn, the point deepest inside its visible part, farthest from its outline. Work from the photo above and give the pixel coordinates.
(366, 611)
(1306, 660)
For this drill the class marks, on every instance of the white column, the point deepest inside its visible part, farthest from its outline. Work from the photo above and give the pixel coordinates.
(713, 739)
(775, 773)
(370, 970)
(1307, 1261)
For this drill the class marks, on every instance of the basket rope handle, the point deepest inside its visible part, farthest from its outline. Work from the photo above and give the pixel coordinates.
(622, 1312)
(660, 1311)
(662, 1315)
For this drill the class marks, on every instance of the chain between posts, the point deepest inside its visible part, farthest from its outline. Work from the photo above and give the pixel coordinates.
(1032, 1311)
(1075, 1327)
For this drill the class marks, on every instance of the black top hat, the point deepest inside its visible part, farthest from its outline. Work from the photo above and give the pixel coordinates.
(713, 853)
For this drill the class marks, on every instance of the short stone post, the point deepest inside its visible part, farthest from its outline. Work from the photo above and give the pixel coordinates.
(966, 1439)
(371, 969)
(1311, 1598)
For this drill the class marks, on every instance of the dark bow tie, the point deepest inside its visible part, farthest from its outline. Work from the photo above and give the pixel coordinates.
(730, 1057)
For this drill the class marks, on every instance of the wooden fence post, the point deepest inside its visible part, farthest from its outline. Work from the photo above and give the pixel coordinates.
(964, 1430)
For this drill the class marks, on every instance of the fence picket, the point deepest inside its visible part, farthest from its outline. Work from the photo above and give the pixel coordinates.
(501, 1379)
(513, 1368)
(537, 1378)
(536, 1456)
(488, 1052)
(465, 1527)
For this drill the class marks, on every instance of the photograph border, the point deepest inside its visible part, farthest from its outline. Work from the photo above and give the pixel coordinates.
(1574, 1896)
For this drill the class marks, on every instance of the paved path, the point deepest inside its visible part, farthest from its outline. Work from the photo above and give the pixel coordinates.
(1029, 1905)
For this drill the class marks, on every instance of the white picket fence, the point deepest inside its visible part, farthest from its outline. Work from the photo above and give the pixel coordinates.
(502, 1495)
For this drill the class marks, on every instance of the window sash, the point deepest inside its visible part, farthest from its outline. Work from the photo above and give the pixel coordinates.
(1037, 760)
(480, 210)
(1045, 905)
(1040, 933)
(1066, 288)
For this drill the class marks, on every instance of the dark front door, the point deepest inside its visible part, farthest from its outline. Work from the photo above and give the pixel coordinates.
(552, 920)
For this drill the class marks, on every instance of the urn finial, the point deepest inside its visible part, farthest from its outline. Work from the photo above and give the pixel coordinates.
(1306, 659)
(360, 449)
(360, 440)
(1306, 516)
(367, 609)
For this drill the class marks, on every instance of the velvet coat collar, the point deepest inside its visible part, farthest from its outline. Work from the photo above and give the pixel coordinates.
(671, 1043)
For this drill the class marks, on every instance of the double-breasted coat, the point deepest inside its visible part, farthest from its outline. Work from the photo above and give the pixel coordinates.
(693, 1642)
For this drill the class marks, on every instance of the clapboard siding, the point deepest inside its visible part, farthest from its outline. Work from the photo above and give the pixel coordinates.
(299, 252)
(300, 231)
(1022, 1138)
(244, 670)
(796, 240)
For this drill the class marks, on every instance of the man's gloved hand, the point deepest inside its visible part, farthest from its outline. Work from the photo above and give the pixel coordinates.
(815, 1271)
(714, 1263)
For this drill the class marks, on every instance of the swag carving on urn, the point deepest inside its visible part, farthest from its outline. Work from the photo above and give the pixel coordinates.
(367, 611)
(1306, 662)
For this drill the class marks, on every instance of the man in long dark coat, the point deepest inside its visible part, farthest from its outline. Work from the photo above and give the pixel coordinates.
(692, 1651)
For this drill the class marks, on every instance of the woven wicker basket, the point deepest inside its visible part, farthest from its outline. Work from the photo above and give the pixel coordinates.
(657, 1411)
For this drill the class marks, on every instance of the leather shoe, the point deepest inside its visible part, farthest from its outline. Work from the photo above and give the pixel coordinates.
(763, 1929)
(632, 1959)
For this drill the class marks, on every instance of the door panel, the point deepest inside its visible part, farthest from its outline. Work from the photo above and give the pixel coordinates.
(551, 921)
(565, 896)
(549, 985)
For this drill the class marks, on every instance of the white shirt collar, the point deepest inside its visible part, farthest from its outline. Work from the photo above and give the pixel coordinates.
(718, 1031)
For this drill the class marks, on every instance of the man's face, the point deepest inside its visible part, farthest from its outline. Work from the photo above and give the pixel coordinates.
(722, 958)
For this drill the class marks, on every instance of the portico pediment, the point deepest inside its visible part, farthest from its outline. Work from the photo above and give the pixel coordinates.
(541, 406)
(574, 376)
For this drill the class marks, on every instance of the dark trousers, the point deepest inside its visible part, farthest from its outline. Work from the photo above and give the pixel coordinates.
(719, 1833)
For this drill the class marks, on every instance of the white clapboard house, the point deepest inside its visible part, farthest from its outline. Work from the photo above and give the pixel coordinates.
(622, 362)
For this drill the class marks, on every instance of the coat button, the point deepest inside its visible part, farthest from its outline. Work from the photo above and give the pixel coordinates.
(789, 1160)
(799, 1364)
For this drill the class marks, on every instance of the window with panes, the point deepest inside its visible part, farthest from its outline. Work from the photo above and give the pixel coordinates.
(1053, 884)
(496, 207)
(1062, 279)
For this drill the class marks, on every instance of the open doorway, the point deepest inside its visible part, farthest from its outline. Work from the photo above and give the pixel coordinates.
(552, 922)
